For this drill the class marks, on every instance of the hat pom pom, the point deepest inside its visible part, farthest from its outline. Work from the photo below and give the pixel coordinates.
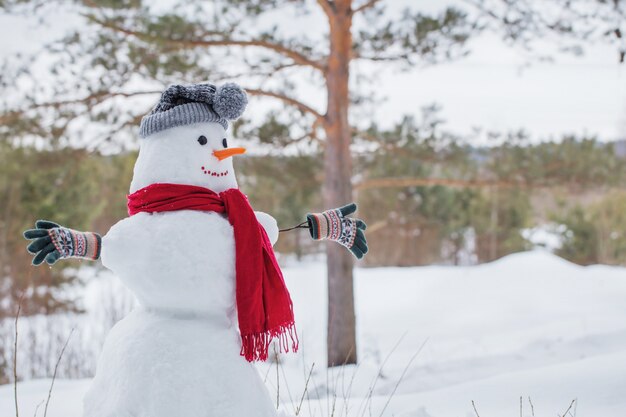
(230, 101)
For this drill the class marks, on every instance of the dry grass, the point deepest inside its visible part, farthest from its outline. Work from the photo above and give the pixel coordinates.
(15, 374)
(338, 388)
(56, 368)
(332, 392)
(567, 413)
(17, 318)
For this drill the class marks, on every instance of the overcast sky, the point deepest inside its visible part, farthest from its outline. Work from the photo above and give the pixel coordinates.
(490, 88)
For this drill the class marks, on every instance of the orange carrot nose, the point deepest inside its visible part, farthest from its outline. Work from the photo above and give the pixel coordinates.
(227, 153)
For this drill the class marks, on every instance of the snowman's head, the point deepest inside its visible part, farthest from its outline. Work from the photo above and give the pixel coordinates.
(196, 154)
(184, 138)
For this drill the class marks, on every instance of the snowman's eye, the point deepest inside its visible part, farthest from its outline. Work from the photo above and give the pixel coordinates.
(202, 140)
(224, 143)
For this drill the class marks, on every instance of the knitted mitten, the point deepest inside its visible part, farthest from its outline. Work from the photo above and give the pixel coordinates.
(53, 242)
(334, 225)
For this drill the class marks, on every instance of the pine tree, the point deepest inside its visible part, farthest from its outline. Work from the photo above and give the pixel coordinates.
(126, 50)
(127, 40)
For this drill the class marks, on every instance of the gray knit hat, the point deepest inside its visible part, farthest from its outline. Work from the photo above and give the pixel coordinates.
(197, 103)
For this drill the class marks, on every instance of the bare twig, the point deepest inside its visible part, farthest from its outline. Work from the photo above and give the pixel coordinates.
(380, 370)
(282, 369)
(365, 6)
(327, 7)
(327, 394)
(282, 49)
(475, 410)
(343, 374)
(285, 99)
(532, 407)
(91, 99)
(37, 408)
(306, 386)
(570, 407)
(406, 368)
(267, 374)
(346, 395)
(17, 317)
(54, 375)
(520, 406)
(317, 394)
(311, 414)
(277, 379)
(332, 410)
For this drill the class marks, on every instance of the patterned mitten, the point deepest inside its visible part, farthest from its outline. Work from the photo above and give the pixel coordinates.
(52, 242)
(334, 225)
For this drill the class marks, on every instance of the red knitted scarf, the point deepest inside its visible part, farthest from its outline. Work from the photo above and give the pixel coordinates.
(264, 307)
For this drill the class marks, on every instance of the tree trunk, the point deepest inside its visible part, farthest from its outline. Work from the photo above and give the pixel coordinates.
(341, 340)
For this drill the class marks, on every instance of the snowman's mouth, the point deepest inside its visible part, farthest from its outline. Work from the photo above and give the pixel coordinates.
(214, 173)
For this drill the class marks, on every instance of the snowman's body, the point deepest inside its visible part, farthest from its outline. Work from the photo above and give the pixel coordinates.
(178, 353)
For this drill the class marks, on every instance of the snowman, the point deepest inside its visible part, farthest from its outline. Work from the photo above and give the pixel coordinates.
(211, 295)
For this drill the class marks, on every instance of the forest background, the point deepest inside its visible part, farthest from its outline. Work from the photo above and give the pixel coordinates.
(433, 187)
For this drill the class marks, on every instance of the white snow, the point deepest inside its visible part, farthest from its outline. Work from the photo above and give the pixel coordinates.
(175, 156)
(529, 325)
(548, 236)
(178, 350)
(180, 266)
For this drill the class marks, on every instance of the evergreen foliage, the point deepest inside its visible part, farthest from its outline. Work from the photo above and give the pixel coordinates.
(481, 217)
(596, 233)
(69, 186)
(107, 71)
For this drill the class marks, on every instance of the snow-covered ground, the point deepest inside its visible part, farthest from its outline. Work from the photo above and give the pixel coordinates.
(529, 325)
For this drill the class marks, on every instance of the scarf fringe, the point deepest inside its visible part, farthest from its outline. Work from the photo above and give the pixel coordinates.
(255, 346)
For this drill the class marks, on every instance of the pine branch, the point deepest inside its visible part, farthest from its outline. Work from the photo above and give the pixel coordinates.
(91, 99)
(413, 36)
(327, 6)
(365, 6)
(390, 58)
(570, 22)
(310, 134)
(287, 100)
(279, 48)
